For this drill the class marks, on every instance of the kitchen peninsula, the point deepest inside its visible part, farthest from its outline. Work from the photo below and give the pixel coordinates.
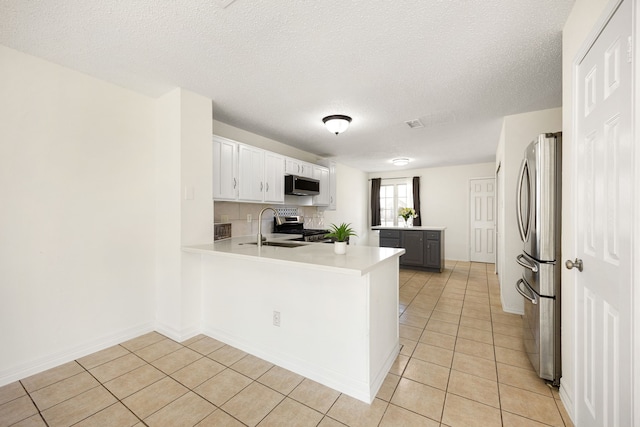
(331, 318)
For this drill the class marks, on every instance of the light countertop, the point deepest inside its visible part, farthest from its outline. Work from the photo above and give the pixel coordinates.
(358, 260)
(402, 227)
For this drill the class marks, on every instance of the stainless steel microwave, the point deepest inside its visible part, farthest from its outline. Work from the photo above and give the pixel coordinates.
(300, 186)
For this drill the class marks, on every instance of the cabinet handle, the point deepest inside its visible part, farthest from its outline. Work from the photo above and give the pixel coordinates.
(267, 187)
(260, 185)
(235, 182)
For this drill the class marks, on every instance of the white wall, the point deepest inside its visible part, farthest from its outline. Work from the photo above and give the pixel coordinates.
(246, 137)
(352, 194)
(517, 132)
(444, 200)
(184, 206)
(77, 242)
(583, 17)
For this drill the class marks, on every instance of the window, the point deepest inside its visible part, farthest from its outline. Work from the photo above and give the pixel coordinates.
(393, 196)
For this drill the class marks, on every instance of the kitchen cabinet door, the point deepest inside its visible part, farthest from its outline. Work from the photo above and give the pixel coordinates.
(273, 177)
(434, 251)
(225, 169)
(250, 173)
(331, 165)
(333, 187)
(413, 244)
(321, 174)
(298, 167)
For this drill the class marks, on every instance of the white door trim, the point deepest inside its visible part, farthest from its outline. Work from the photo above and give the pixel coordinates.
(635, 242)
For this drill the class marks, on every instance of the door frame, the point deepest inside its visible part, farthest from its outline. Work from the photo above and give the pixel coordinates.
(469, 206)
(598, 27)
(635, 242)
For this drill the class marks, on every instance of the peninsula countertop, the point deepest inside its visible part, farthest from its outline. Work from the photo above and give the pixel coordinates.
(402, 227)
(359, 260)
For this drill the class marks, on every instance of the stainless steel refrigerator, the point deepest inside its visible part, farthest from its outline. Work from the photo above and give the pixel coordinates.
(538, 212)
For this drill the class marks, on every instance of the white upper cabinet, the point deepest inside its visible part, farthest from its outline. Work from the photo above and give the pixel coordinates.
(332, 185)
(298, 167)
(244, 173)
(274, 177)
(225, 169)
(321, 174)
(250, 173)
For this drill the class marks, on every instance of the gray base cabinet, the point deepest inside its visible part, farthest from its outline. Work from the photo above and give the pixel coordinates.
(424, 248)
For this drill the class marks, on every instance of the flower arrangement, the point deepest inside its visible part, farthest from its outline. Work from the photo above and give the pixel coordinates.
(407, 213)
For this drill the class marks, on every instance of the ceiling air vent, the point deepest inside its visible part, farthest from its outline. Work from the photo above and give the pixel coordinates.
(414, 124)
(223, 3)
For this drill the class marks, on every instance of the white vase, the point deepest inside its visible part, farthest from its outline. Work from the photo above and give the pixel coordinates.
(340, 248)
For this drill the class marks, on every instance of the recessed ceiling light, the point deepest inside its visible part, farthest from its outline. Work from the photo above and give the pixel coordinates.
(402, 161)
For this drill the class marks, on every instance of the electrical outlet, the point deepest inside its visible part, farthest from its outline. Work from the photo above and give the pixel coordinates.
(276, 318)
(224, 218)
(249, 218)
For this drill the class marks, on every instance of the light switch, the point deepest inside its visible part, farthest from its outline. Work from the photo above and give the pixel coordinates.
(189, 192)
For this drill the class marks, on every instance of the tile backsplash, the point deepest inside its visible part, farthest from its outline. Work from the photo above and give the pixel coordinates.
(244, 216)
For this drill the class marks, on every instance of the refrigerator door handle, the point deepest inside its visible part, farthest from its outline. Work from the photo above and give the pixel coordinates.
(531, 296)
(520, 259)
(524, 230)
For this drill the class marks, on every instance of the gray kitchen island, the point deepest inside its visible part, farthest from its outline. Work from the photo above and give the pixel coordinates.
(424, 246)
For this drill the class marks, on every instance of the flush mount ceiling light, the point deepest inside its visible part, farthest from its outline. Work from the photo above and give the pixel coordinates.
(337, 123)
(402, 161)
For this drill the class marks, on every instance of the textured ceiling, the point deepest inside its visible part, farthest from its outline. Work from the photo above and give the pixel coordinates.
(276, 68)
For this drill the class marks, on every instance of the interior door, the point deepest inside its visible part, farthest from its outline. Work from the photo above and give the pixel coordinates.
(604, 188)
(482, 209)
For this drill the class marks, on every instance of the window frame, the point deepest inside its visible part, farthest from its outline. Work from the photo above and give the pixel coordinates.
(397, 202)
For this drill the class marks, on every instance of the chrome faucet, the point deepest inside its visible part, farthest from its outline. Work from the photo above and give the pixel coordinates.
(278, 220)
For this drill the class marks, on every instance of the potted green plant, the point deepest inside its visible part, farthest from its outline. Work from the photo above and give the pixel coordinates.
(341, 234)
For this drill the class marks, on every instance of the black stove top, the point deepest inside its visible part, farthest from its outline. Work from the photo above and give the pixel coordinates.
(295, 225)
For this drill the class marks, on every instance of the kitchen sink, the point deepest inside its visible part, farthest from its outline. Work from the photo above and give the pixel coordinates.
(280, 244)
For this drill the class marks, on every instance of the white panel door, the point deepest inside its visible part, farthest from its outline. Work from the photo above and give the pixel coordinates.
(604, 188)
(482, 221)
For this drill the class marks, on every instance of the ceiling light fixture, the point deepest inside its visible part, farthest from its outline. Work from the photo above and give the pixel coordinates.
(402, 161)
(337, 123)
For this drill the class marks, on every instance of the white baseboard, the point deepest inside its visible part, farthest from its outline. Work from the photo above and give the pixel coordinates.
(58, 358)
(349, 386)
(177, 335)
(567, 401)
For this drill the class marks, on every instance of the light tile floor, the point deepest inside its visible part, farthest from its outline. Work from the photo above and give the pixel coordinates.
(461, 364)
